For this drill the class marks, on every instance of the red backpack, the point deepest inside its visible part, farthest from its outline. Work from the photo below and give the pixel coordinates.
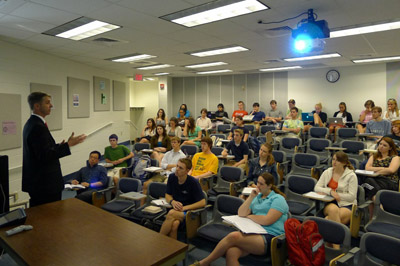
(304, 243)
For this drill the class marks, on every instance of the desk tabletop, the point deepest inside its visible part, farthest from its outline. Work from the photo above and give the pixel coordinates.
(72, 232)
(335, 148)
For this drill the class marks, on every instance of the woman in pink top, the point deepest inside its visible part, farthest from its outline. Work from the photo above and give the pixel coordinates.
(365, 116)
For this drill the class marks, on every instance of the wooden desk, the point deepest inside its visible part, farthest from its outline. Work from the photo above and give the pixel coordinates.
(72, 232)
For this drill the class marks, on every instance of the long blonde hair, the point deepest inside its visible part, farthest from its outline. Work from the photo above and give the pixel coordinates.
(396, 108)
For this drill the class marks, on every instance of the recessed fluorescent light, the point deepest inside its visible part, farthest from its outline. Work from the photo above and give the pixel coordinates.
(154, 67)
(214, 11)
(218, 51)
(313, 57)
(81, 28)
(379, 59)
(280, 68)
(207, 65)
(214, 71)
(148, 79)
(365, 29)
(161, 74)
(130, 58)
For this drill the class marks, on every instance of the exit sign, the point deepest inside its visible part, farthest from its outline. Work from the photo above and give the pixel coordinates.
(139, 77)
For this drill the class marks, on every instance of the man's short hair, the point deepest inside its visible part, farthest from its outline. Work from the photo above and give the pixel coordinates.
(294, 108)
(256, 104)
(187, 162)
(95, 152)
(113, 136)
(203, 110)
(241, 102)
(207, 140)
(239, 117)
(273, 102)
(377, 108)
(238, 130)
(292, 101)
(175, 138)
(36, 97)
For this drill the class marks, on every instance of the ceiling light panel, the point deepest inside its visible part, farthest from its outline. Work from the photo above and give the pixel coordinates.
(81, 28)
(219, 51)
(214, 71)
(378, 59)
(280, 68)
(155, 67)
(313, 57)
(130, 58)
(214, 11)
(207, 65)
(365, 29)
(161, 74)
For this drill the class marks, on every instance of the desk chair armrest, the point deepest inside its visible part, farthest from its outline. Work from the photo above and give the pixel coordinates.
(333, 261)
(206, 182)
(236, 187)
(106, 192)
(278, 250)
(194, 219)
(348, 258)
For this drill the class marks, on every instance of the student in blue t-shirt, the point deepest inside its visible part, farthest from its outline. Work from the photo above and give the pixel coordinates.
(259, 116)
(266, 206)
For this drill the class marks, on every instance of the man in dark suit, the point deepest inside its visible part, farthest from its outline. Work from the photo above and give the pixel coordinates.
(41, 171)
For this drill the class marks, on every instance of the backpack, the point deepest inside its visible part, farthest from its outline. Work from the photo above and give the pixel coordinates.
(254, 144)
(305, 245)
(140, 162)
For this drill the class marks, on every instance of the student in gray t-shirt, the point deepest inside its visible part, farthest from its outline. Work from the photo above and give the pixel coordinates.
(274, 115)
(378, 126)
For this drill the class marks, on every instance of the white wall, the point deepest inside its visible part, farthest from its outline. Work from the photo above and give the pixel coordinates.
(20, 66)
(356, 85)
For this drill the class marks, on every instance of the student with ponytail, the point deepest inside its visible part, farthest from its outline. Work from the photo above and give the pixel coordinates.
(340, 182)
(266, 206)
(264, 163)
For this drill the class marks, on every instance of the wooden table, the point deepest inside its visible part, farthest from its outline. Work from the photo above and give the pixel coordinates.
(72, 232)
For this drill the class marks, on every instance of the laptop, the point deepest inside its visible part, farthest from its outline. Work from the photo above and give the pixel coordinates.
(335, 120)
(307, 117)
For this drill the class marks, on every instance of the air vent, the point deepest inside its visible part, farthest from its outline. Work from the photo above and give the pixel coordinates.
(275, 32)
(105, 40)
(272, 61)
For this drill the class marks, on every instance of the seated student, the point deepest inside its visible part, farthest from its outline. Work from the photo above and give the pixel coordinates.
(265, 163)
(168, 163)
(239, 149)
(365, 115)
(292, 103)
(221, 115)
(343, 114)
(186, 112)
(340, 182)
(274, 115)
(160, 143)
(191, 131)
(205, 163)
(384, 162)
(293, 124)
(320, 118)
(266, 206)
(181, 118)
(148, 131)
(259, 116)
(378, 126)
(183, 193)
(93, 177)
(239, 125)
(240, 112)
(203, 121)
(395, 133)
(161, 118)
(117, 155)
(392, 113)
(173, 130)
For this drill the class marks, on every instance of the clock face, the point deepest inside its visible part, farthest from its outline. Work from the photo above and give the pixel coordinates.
(332, 76)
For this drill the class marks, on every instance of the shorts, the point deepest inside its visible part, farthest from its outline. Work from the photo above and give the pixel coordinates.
(158, 178)
(350, 207)
(267, 242)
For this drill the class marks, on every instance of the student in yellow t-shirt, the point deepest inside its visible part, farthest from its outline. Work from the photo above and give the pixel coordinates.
(205, 163)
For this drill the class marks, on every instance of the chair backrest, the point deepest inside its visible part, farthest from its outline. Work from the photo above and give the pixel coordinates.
(155, 162)
(299, 184)
(190, 149)
(390, 201)
(225, 128)
(288, 144)
(387, 250)
(333, 232)
(231, 174)
(217, 150)
(221, 136)
(225, 205)
(251, 154)
(302, 163)
(355, 163)
(317, 146)
(346, 134)
(319, 132)
(137, 147)
(279, 156)
(250, 128)
(129, 184)
(265, 128)
(353, 148)
(156, 190)
(262, 139)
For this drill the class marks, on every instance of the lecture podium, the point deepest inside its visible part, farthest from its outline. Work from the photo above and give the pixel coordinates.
(72, 232)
